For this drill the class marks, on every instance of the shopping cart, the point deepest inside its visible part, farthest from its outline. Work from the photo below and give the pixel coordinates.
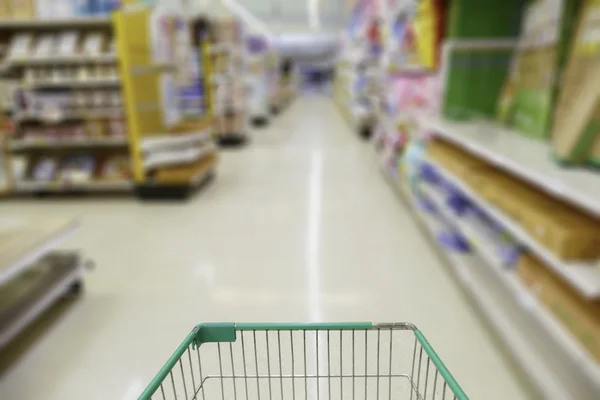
(251, 361)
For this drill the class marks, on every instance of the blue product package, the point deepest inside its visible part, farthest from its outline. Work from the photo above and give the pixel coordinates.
(426, 205)
(429, 174)
(509, 255)
(112, 5)
(453, 241)
(81, 7)
(458, 204)
(93, 7)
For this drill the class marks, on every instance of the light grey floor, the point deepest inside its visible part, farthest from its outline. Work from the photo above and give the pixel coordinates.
(298, 226)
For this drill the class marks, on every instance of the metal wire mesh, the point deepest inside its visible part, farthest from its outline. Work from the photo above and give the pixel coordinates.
(382, 364)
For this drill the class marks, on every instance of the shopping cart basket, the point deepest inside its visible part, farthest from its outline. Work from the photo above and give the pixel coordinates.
(251, 361)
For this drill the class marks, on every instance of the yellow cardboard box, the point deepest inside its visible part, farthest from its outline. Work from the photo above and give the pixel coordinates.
(23, 9)
(5, 12)
(580, 317)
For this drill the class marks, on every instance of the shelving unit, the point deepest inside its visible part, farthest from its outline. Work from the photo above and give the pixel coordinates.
(543, 327)
(526, 158)
(75, 187)
(58, 23)
(172, 153)
(32, 278)
(584, 277)
(66, 105)
(160, 104)
(57, 60)
(557, 365)
(16, 145)
(227, 63)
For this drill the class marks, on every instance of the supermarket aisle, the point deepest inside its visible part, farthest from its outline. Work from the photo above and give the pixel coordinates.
(298, 226)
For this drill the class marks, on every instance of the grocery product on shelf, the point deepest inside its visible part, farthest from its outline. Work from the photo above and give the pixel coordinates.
(564, 230)
(172, 130)
(581, 318)
(474, 19)
(19, 166)
(257, 83)
(575, 135)
(115, 168)
(57, 9)
(229, 86)
(542, 52)
(45, 169)
(19, 46)
(77, 168)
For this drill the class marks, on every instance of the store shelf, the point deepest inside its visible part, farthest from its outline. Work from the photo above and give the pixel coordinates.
(524, 157)
(550, 358)
(567, 348)
(70, 115)
(165, 141)
(177, 157)
(30, 294)
(66, 187)
(22, 246)
(58, 23)
(87, 83)
(584, 277)
(61, 60)
(16, 145)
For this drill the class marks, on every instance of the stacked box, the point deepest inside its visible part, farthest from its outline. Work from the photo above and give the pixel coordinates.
(563, 230)
(476, 19)
(575, 137)
(541, 55)
(475, 78)
(24, 9)
(4, 9)
(580, 317)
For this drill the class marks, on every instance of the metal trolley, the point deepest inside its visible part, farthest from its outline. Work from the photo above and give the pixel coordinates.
(258, 361)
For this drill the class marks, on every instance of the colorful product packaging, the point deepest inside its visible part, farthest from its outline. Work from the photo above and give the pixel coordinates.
(576, 133)
(531, 90)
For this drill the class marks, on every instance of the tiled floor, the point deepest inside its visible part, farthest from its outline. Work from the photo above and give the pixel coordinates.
(297, 226)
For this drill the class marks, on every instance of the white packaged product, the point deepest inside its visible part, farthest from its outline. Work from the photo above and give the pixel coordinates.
(20, 46)
(78, 168)
(92, 44)
(67, 43)
(19, 167)
(45, 46)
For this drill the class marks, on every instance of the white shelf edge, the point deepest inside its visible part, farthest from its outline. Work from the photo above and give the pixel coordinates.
(159, 142)
(553, 186)
(6, 23)
(43, 304)
(58, 187)
(6, 274)
(585, 278)
(580, 357)
(117, 112)
(32, 144)
(165, 159)
(61, 60)
(75, 83)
